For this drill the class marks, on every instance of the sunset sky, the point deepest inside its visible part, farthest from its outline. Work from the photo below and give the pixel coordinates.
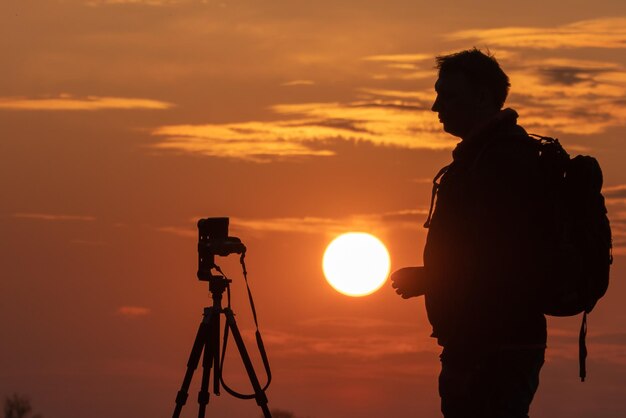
(122, 122)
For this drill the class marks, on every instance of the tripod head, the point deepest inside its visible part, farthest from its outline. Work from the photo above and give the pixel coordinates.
(217, 285)
(213, 240)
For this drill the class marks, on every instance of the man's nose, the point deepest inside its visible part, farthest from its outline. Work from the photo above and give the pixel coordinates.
(435, 107)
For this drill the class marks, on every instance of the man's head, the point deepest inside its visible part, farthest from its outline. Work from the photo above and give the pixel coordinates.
(471, 89)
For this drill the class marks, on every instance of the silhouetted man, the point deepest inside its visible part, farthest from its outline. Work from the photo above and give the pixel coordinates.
(483, 257)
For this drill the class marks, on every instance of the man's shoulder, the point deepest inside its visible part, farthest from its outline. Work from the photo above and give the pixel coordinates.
(512, 157)
(513, 145)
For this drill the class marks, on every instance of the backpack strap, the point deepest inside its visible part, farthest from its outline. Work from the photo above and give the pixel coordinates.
(434, 194)
(582, 348)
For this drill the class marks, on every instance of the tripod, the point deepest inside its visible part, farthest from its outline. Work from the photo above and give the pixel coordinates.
(208, 340)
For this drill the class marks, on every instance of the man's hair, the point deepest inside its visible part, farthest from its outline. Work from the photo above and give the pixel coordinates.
(481, 69)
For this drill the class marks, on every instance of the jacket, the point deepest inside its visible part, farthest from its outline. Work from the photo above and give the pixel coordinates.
(483, 249)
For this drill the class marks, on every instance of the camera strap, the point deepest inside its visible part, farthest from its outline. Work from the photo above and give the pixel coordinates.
(259, 339)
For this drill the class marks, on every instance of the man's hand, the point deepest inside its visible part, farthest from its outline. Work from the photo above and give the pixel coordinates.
(409, 281)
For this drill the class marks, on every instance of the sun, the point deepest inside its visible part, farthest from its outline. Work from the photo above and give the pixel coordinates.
(356, 264)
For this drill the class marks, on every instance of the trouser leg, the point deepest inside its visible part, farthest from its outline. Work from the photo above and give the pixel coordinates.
(496, 385)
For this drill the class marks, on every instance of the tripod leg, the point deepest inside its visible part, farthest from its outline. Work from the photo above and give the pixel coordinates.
(192, 364)
(215, 340)
(260, 397)
(211, 314)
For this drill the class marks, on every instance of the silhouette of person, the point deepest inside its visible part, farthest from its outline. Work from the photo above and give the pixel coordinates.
(483, 257)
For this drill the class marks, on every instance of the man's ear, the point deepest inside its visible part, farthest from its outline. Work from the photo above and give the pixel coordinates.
(485, 98)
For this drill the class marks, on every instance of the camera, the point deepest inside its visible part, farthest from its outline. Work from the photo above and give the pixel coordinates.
(213, 240)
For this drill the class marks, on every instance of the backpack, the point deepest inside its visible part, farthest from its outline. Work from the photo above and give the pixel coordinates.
(578, 243)
(580, 246)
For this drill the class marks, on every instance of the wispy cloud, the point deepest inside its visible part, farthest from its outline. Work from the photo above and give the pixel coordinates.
(425, 98)
(252, 141)
(133, 311)
(399, 58)
(569, 96)
(553, 95)
(90, 243)
(298, 83)
(135, 2)
(595, 33)
(68, 102)
(52, 217)
(382, 122)
(614, 192)
(309, 225)
(616, 205)
(372, 223)
(179, 231)
(570, 72)
(309, 130)
(367, 354)
(352, 322)
(403, 66)
(615, 338)
(610, 347)
(350, 337)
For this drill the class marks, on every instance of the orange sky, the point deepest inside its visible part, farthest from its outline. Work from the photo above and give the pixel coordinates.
(124, 121)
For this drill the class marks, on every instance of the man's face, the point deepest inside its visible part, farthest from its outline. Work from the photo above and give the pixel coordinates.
(457, 103)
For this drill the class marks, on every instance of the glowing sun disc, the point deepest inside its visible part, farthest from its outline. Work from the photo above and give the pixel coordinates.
(356, 264)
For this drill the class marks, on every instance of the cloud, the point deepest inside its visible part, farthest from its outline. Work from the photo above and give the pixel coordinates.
(556, 94)
(406, 217)
(569, 96)
(573, 72)
(553, 96)
(298, 83)
(133, 2)
(402, 66)
(595, 33)
(371, 355)
(382, 122)
(351, 337)
(359, 347)
(352, 323)
(615, 192)
(615, 338)
(88, 242)
(309, 130)
(67, 102)
(132, 311)
(372, 223)
(610, 347)
(399, 58)
(616, 205)
(424, 98)
(307, 225)
(251, 141)
(181, 232)
(423, 180)
(53, 217)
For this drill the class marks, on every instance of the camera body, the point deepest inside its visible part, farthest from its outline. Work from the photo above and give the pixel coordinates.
(213, 240)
